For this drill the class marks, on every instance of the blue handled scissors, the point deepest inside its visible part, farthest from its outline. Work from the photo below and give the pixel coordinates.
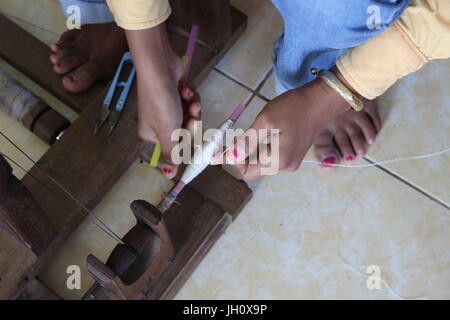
(114, 114)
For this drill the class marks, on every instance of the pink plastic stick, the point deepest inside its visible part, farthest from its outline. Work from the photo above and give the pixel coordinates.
(237, 112)
(190, 50)
(180, 185)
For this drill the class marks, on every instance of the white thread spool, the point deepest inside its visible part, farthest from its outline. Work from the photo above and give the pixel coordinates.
(15, 100)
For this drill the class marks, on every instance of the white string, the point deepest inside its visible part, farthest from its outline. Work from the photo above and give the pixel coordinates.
(359, 273)
(423, 156)
(372, 164)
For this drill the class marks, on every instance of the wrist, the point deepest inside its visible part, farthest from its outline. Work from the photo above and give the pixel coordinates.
(329, 104)
(339, 75)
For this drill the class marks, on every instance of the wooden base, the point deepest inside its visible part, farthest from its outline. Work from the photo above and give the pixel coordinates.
(88, 165)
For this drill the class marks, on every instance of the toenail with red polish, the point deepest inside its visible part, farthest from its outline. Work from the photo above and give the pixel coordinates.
(167, 171)
(329, 160)
(349, 158)
(70, 78)
(58, 65)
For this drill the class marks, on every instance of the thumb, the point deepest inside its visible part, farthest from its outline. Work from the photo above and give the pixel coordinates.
(168, 167)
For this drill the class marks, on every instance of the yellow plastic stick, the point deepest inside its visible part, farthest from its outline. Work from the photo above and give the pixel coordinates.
(156, 154)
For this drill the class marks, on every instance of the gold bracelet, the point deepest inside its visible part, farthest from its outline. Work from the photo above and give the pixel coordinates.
(334, 83)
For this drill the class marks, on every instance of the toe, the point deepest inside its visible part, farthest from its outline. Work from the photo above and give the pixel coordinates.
(344, 145)
(367, 127)
(69, 62)
(68, 36)
(356, 138)
(374, 114)
(59, 54)
(325, 150)
(83, 77)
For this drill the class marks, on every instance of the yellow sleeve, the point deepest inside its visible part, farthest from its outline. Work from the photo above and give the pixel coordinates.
(139, 14)
(421, 34)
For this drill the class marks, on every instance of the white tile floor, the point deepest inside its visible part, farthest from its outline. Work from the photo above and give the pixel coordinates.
(307, 234)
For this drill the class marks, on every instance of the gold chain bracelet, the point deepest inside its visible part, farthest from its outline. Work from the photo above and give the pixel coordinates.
(334, 83)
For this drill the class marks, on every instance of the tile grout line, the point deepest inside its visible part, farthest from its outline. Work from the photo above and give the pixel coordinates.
(253, 91)
(409, 184)
(261, 85)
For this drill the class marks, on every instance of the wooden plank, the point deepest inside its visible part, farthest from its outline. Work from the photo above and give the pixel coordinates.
(15, 260)
(36, 290)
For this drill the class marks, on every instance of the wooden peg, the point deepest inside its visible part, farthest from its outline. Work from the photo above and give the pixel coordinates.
(131, 268)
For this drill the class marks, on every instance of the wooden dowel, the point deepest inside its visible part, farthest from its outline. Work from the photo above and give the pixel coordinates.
(36, 115)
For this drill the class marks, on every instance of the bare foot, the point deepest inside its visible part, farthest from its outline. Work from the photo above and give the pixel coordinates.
(346, 136)
(88, 55)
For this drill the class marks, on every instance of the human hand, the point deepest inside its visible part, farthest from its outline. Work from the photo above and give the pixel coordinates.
(166, 103)
(299, 115)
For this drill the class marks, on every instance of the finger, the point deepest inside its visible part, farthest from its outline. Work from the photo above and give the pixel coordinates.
(187, 92)
(245, 145)
(195, 110)
(169, 169)
(251, 170)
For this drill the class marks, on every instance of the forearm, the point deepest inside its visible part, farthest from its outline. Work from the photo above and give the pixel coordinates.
(152, 55)
(157, 80)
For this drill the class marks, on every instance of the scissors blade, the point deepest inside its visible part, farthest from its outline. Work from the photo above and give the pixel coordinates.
(104, 111)
(115, 114)
(113, 120)
(101, 118)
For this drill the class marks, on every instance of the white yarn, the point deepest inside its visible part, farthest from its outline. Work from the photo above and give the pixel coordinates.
(359, 273)
(14, 98)
(423, 156)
